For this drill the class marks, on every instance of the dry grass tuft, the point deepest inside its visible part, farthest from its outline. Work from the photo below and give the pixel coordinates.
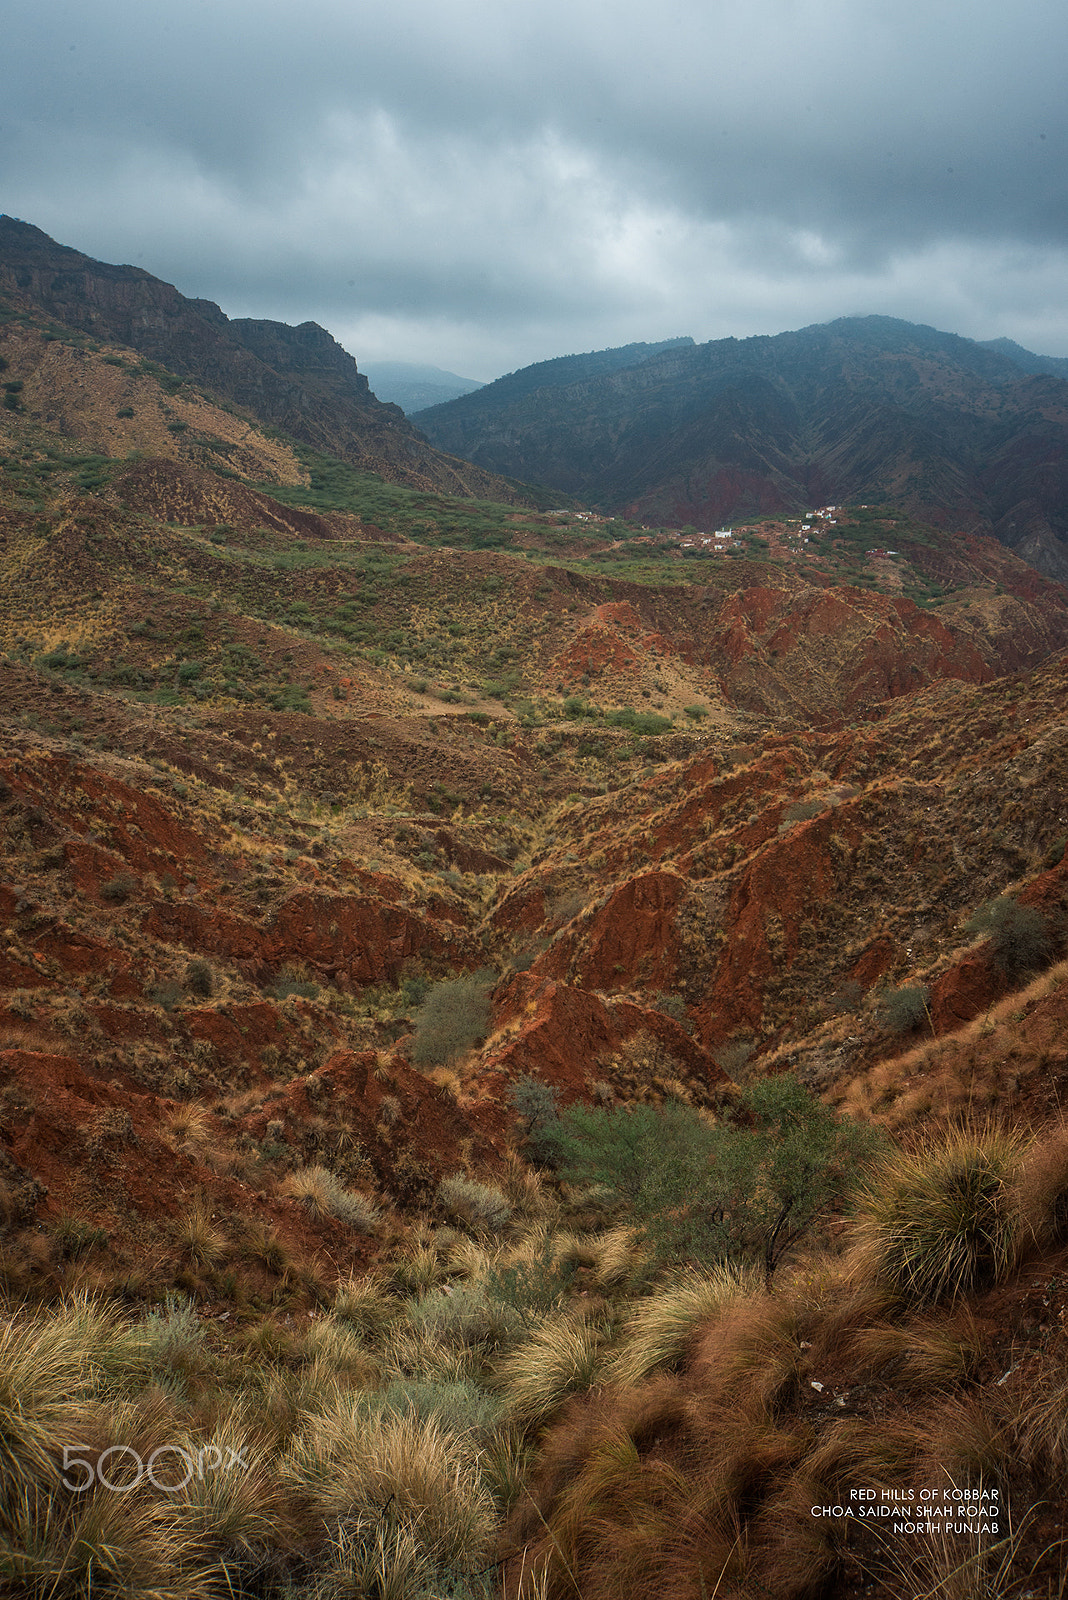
(620, 1257)
(1040, 1189)
(657, 1334)
(398, 1471)
(938, 1222)
(321, 1193)
(199, 1240)
(367, 1304)
(561, 1358)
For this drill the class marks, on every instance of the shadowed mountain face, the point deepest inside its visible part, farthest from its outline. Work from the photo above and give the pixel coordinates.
(860, 409)
(297, 379)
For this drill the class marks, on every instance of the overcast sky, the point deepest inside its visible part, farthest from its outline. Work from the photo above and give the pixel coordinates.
(482, 183)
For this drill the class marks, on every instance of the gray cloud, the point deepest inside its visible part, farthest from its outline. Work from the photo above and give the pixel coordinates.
(481, 185)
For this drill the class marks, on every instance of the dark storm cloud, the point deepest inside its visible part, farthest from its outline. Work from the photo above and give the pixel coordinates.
(484, 184)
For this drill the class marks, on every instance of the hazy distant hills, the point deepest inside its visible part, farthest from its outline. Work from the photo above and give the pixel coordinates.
(298, 379)
(413, 385)
(861, 408)
(1057, 365)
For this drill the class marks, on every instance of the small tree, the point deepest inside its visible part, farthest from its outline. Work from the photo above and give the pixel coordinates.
(743, 1189)
(534, 1103)
(453, 1017)
(1019, 935)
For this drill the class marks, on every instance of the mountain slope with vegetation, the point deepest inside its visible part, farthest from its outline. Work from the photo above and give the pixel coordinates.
(531, 1051)
(298, 380)
(862, 409)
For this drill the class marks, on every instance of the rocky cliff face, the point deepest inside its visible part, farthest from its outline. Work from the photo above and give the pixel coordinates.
(297, 379)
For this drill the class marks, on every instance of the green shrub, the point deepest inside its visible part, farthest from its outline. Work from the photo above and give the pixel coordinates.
(647, 723)
(534, 1102)
(744, 1189)
(289, 984)
(1019, 935)
(905, 1008)
(118, 890)
(534, 1284)
(453, 1017)
(166, 993)
(802, 810)
(200, 978)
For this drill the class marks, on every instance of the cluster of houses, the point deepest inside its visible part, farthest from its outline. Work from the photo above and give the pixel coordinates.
(720, 540)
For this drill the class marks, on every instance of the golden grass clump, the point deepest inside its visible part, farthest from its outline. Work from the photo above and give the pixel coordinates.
(658, 1332)
(1034, 1406)
(199, 1240)
(924, 1355)
(412, 1473)
(50, 1365)
(102, 1543)
(224, 1494)
(416, 1269)
(367, 1304)
(619, 1256)
(560, 1358)
(938, 1222)
(1040, 1189)
(190, 1125)
(323, 1195)
(337, 1346)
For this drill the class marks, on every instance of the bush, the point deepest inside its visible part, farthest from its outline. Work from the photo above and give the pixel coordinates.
(741, 1190)
(802, 810)
(453, 1017)
(534, 1102)
(165, 993)
(118, 890)
(1019, 935)
(71, 1237)
(905, 1008)
(200, 978)
(290, 985)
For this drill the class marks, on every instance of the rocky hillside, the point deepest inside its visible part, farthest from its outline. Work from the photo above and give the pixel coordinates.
(353, 833)
(298, 380)
(694, 815)
(863, 409)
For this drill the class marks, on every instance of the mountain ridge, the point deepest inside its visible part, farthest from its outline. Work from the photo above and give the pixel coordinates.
(414, 385)
(298, 379)
(859, 408)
